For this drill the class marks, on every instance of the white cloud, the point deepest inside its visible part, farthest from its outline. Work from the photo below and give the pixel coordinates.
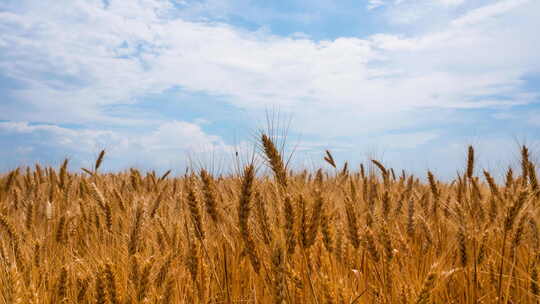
(178, 135)
(79, 140)
(480, 14)
(163, 147)
(78, 58)
(373, 4)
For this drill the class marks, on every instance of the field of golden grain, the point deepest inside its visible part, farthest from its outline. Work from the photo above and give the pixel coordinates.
(331, 236)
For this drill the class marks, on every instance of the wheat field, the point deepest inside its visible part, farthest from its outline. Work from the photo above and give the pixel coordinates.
(335, 235)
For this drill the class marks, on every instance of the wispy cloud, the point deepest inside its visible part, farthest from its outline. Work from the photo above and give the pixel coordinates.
(373, 4)
(493, 10)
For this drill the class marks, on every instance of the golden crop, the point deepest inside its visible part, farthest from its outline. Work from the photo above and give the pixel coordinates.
(308, 237)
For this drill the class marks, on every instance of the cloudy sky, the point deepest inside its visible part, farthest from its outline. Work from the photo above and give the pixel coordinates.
(411, 82)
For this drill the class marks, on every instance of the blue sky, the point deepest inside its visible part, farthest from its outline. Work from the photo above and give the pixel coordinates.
(159, 82)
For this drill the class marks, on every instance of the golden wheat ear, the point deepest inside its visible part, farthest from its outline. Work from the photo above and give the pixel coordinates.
(88, 171)
(99, 160)
(470, 162)
(330, 159)
(275, 160)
